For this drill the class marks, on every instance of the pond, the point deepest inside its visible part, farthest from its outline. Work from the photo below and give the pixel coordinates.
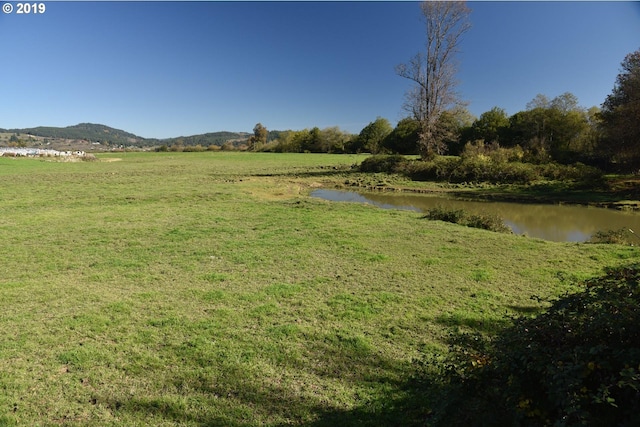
(560, 223)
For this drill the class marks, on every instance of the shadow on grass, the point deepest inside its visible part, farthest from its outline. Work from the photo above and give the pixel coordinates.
(231, 393)
(323, 171)
(526, 310)
(408, 411)
(456, 320)
(251, 403)
(168, 410)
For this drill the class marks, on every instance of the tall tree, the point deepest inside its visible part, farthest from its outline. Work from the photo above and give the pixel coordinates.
(372, 135)
(557, 129)
(259, 137)
(540, 101)
(565, 103)
(454, 124)
(621, 115)
(312, 142)
(334, 139)
(491, 125)
(404, 138)
(433, 71)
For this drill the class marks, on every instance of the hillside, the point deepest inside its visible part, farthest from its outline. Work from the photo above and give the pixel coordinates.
(84, 131)
(90, 134)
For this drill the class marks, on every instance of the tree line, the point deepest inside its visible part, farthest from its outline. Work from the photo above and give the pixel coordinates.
(548, 130)
(555, 129)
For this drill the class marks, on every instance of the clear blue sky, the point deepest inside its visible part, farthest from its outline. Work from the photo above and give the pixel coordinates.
(165, 69)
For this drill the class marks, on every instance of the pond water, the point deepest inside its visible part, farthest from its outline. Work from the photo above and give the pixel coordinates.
(560, 223)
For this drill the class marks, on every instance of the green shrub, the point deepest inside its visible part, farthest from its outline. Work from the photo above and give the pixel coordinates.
(576, 172)
(480, 163)
(462, 217)
(577, 364)
(492, 151)
(470, 169)
(382, 163)
(438, 169)
(487, 222)
(622, 236)
(194, 148)
(440, 213)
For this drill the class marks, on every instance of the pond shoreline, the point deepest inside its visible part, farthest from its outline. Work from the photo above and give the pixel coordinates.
(473, 194)
(554, 222)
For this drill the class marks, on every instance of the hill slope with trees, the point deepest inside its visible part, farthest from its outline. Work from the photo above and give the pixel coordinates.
(84, 131)
(108, 136)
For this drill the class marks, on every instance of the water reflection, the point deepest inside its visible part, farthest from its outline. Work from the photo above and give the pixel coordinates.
(549, 222)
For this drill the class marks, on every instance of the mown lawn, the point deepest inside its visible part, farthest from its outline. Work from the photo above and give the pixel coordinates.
(209, 289)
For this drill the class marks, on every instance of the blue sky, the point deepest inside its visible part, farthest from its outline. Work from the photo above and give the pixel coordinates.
(166, 69)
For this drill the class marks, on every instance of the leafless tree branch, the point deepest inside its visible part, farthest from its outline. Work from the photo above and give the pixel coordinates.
(433, 70)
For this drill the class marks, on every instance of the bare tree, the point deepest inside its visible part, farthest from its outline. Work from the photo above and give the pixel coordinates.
(433, 71)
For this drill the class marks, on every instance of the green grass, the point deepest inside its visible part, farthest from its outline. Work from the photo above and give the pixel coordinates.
(209, 289)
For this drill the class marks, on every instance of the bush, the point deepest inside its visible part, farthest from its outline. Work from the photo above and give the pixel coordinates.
(438, 169)
(520, 173)
(469, 169)
(622, 236)
(575, 172)
(444, 214)
(462, 217)
(577, 364)
(383, 163)
(493, 151)
(487, 222)
(480, 163)
(193, 148)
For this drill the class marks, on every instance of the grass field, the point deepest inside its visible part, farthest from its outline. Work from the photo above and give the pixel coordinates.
(209, 289)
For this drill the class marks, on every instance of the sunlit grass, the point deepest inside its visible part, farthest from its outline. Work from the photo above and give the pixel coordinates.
(209, 289)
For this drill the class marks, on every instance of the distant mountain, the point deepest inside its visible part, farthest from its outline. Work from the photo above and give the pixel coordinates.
(85, 131)
(104, 134)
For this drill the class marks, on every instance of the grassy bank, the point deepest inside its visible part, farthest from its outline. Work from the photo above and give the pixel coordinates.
(209, 289)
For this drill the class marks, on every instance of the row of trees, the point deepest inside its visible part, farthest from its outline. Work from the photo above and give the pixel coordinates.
(377, 137)
(557, 129)
(315, 140)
